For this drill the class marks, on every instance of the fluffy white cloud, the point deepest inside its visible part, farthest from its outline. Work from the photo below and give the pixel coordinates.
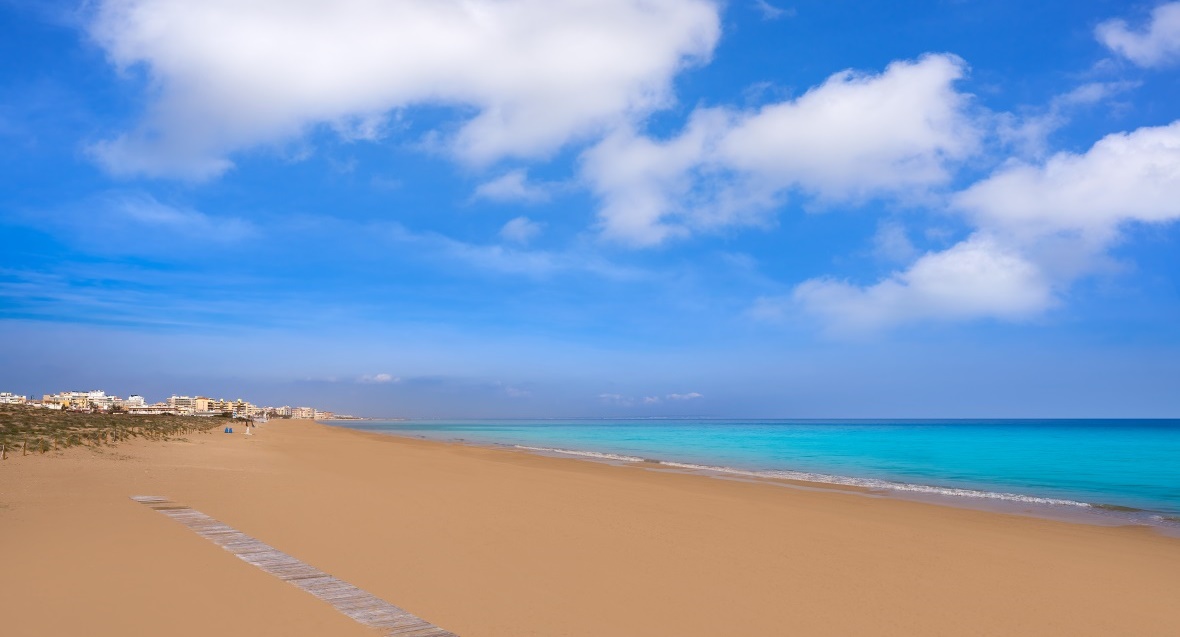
(978, 278)
(228, 75)
(1158, 43)
(1040, 226)
(857, 135)
(642, 181)
(1123, 177)
(897, 133)
(520, 230)
(689, 396)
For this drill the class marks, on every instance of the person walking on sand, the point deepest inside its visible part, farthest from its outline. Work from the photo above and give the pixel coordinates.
(248, 429)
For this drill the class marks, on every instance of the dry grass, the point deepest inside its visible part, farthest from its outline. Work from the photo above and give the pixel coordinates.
(28, 430)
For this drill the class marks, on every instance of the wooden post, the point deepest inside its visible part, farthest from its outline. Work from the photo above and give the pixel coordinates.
(3, 452)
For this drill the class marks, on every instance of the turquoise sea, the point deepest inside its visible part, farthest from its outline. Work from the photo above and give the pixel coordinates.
(1119, 468)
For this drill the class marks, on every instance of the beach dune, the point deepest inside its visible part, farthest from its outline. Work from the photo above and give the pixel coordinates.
(493, 542)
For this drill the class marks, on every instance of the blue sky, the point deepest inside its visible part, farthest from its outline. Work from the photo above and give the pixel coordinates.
(596, 207)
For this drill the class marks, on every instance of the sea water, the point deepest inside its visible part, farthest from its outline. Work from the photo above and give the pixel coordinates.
(1122, 468)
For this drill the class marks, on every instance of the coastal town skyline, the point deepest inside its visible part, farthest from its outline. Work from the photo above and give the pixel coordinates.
(98, 400)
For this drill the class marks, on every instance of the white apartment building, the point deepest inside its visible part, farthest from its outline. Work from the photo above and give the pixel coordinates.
(9, 398)
(99, 400)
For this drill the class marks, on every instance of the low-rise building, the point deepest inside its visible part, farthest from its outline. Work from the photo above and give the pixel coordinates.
(71, 399)
(9, 398)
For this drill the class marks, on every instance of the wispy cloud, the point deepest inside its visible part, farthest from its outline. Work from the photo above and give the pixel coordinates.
(142, 208)
(1028, 132)
(508, 260)
(649, 400)
(513, 186)
(378, 379)
(1156, 44)
(772, 12)
(520, 230)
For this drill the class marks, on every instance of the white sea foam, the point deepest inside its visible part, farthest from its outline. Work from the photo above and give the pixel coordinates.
(587, 454)
(824, 478)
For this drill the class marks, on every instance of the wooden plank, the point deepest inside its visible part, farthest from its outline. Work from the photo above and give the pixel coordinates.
(361, 606)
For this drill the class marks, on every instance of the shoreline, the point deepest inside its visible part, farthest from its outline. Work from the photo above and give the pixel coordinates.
(1044, 507)
(490, 542)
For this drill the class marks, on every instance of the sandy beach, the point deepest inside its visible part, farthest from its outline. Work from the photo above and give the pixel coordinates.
(493, 542)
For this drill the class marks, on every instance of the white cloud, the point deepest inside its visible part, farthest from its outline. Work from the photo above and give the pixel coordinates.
(858, 134)
(131, 217)
(1123, 177)
(892, 242)
(1039, 228)
(1029, 133)
(1157, 44)
(379, 379)
(898, 133)
(771, 12)
(515, 392)
(627, 401)
(615, 399)
(512, 186)
(504, 259)
(977, 278)
(520, 230)
(642, 181)
(230, 75)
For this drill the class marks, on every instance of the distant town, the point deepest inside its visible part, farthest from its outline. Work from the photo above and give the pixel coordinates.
(99, 401)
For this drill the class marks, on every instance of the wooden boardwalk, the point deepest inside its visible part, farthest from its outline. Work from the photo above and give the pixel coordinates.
(346, 598)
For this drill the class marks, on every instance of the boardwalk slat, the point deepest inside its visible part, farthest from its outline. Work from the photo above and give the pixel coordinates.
(361, 606)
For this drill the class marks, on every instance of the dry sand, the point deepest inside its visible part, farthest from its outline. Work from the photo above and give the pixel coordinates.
(488, 542)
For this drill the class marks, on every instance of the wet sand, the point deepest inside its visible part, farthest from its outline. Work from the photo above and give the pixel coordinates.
(494, 542)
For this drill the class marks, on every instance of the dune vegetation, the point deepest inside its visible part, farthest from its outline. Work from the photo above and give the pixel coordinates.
(30, 430)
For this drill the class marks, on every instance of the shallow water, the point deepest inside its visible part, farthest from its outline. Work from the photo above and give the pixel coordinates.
(1130, 466)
